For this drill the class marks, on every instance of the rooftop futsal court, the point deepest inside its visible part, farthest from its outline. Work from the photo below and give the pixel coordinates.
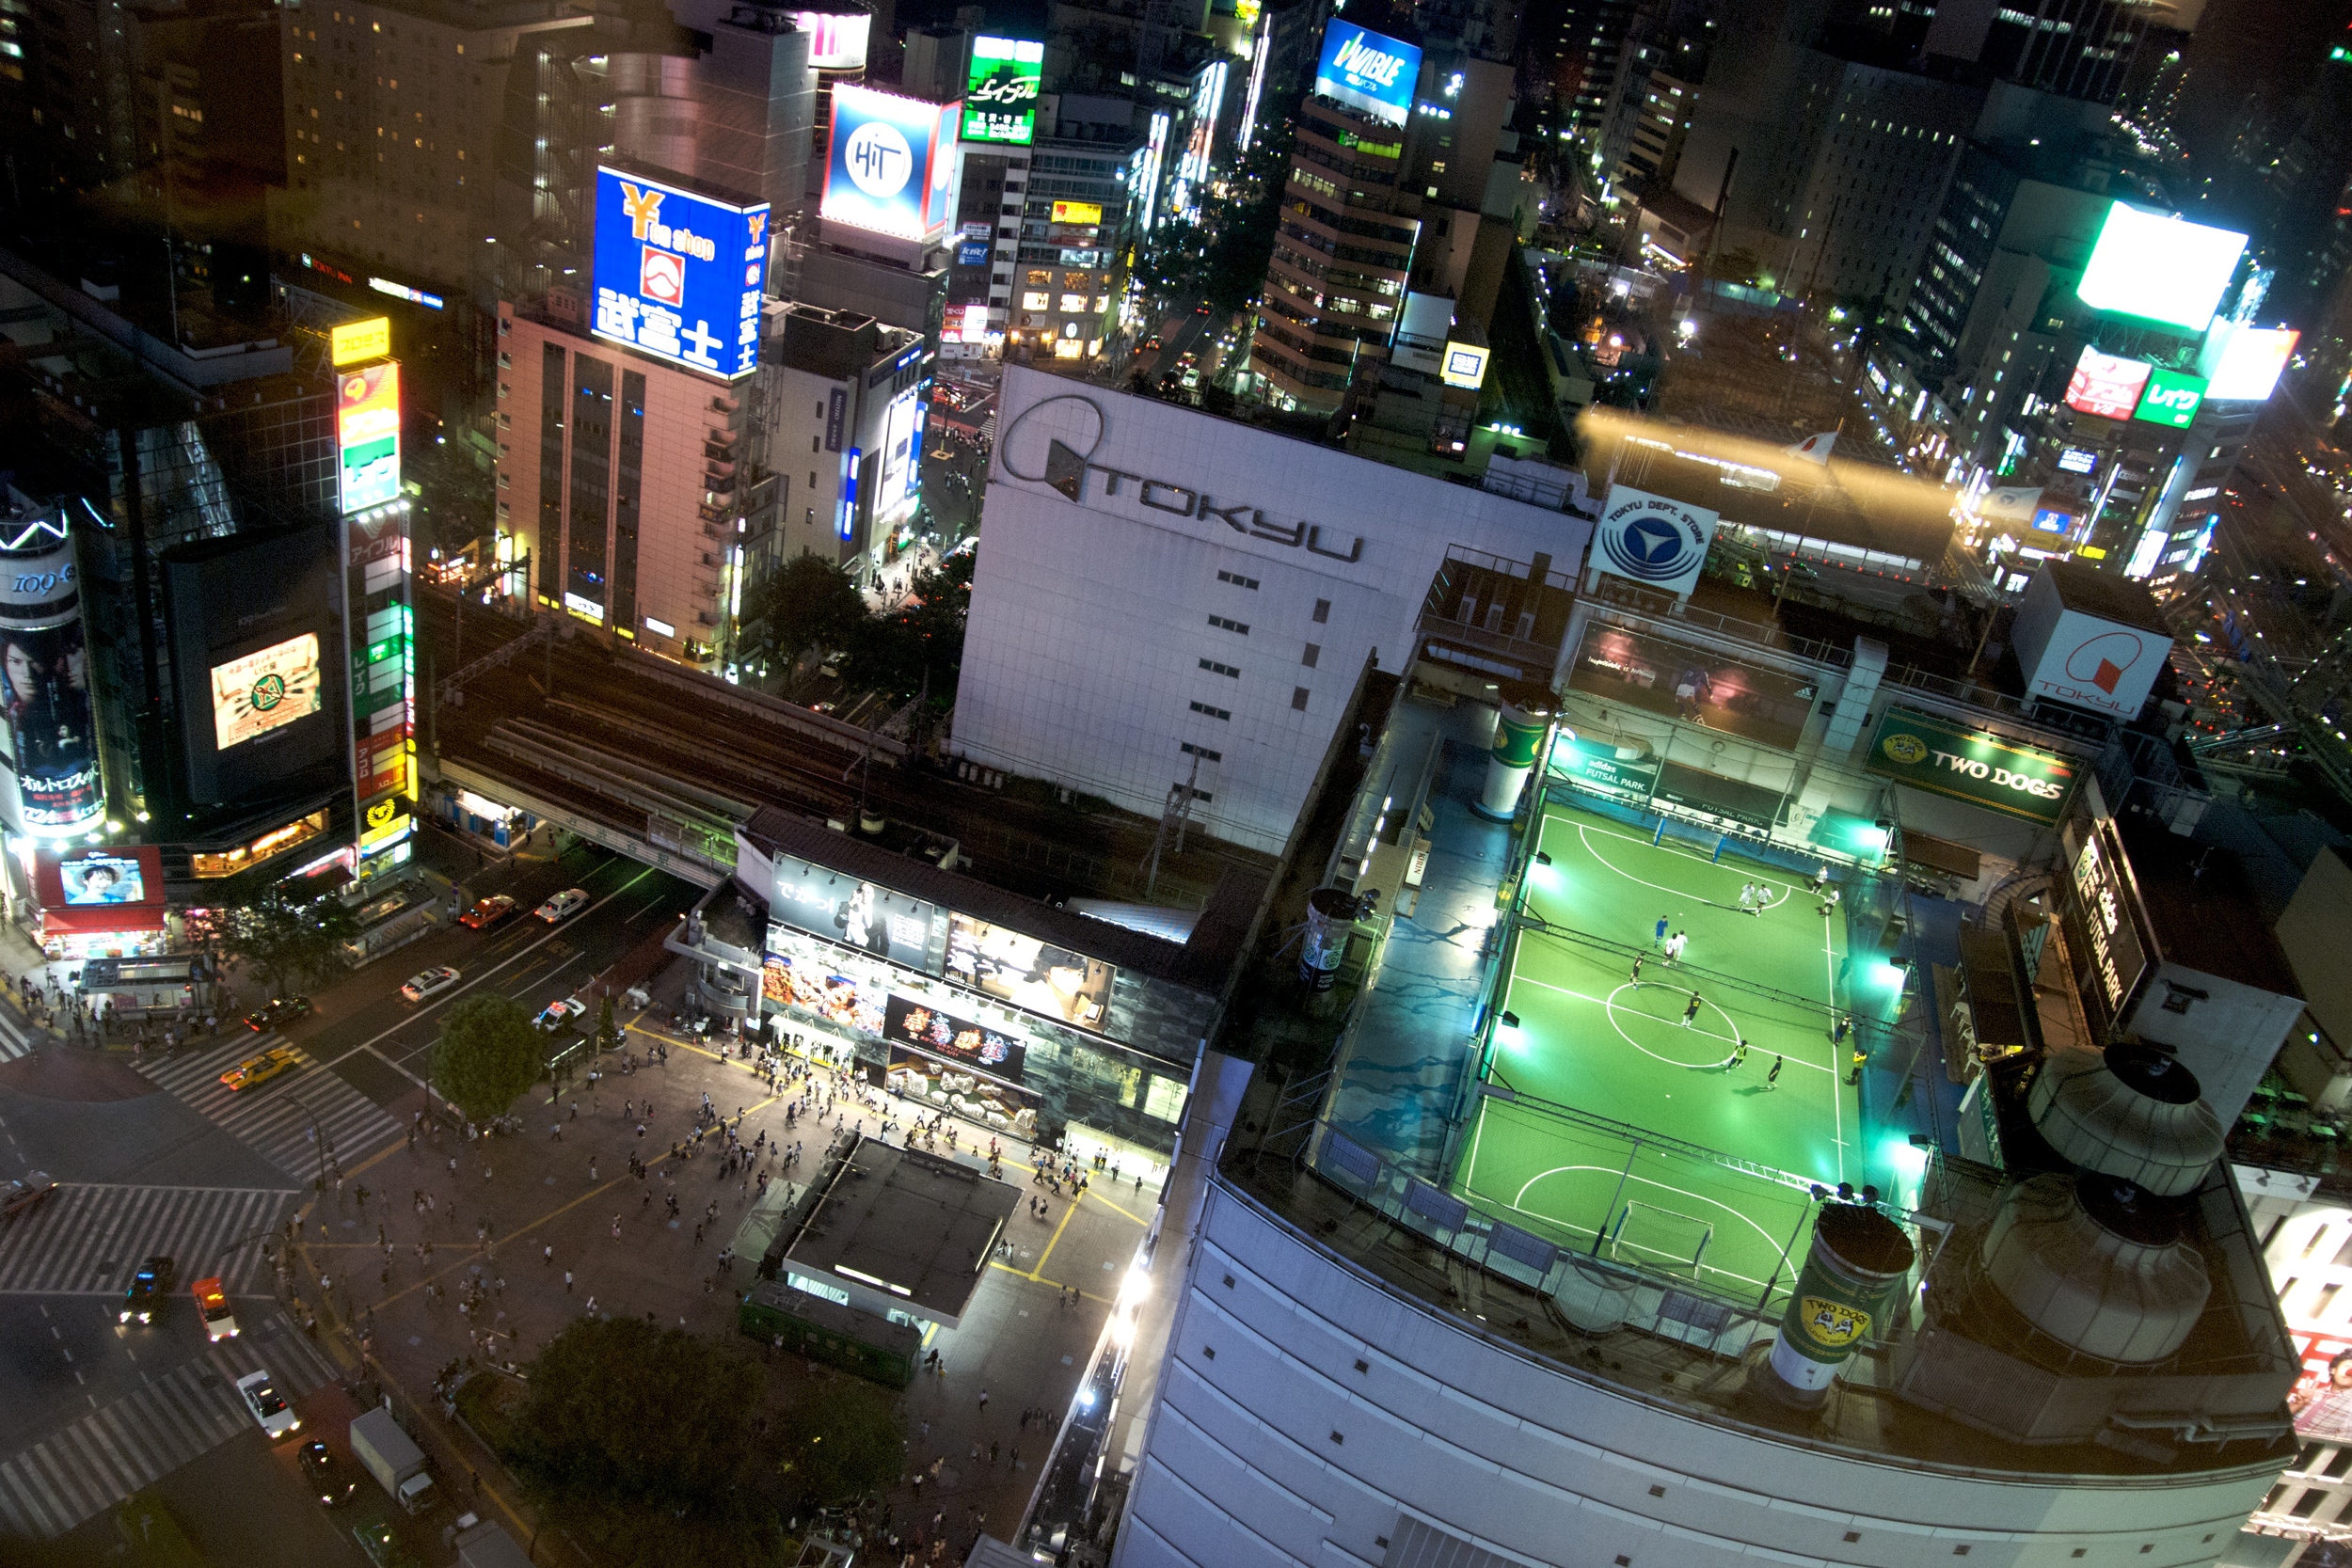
(1623, 1120)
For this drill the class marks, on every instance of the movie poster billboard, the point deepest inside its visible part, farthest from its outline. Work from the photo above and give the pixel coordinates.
(1693, 685)
(863, 916)
(957, 1040)
(44, 683)
(1028, 973)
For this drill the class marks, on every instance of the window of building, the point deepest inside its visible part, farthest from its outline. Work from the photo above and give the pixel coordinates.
(1230, 624)
(1298, 698)
(1323, 610)
(1314, 652)
(1036, 300)
(1202, 751)
(1216, 669)
(1212, 712)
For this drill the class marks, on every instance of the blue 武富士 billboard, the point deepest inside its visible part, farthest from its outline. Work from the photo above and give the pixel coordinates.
(891, 166)
(677, 275)
(1368, 70)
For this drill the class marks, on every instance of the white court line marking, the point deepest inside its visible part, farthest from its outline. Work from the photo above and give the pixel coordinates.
(1729, 1040)
(1770, 1240)
(1836, 1106)
(1787, 890)
(1470, 1172)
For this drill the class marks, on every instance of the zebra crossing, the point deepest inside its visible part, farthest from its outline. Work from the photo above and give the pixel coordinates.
(93, 1464)
(17, 1035)
(276, 1118)
(88, 1237)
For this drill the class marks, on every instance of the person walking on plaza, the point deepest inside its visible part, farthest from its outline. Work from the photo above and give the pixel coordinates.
(1691, 1011)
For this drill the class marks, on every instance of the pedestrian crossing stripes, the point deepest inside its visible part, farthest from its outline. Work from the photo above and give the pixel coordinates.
(87, 1238)
(277, 1119)
(17, 1035)
(89, 1466)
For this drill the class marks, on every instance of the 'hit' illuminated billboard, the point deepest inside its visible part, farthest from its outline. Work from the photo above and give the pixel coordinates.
(1000, 94)
(678, 274)
(367, 429)
(892, 165)
(1367, 70)
(2160, 267)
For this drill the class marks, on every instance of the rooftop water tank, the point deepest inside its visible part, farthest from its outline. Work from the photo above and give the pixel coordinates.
(2098, 1264)
(2131, 1111)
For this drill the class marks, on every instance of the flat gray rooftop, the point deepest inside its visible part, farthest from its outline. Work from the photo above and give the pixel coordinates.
(909, 1225)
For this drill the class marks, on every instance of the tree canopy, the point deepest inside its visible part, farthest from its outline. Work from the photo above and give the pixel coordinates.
(640, 1439)
(289, 941)
(895, 653)
(845, 1439)
(488, 1053)
(807, 602)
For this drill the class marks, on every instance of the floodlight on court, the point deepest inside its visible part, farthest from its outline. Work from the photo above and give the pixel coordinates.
(1893, 975)
(1542, 858)
(1509, 1020)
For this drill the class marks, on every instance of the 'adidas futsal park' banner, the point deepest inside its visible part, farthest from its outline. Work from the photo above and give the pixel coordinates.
(1975, 766)
(1621, 772)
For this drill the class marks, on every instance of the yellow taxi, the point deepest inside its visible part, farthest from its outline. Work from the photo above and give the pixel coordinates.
(256, 1071)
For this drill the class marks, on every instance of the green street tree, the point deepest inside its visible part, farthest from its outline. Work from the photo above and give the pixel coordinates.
(807, 602)
(845, 1439)
(288, 940)
(640, 1438)
(608, 1030)
(488, 1053)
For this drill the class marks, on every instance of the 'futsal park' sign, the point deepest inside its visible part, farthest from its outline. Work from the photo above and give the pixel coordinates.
(1972, 764)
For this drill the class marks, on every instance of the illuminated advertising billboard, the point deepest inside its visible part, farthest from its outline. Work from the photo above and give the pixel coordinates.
(1367, 72)
(367, 429)
(265, 691)
(677, 275)
(892, 165)
(44, 682)
(2172, 398)
(863, 916)
(359, 342)
(2160, 267)
(1028, 973)
(1079, 215)
(1463, 366)
(1000, 93)
(2248, 362)
(101, 878)
(926, 1028)
(2107, 386)
(837, 39)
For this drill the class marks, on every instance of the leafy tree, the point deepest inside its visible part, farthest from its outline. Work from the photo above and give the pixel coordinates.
(287, 939)
(847, 1440)
(807, 602)
(898, 652)
(488, 1053)
(608, 1032)
(640, 1439)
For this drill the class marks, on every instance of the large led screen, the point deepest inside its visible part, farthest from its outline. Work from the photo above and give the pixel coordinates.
(1028, 973)
(1692, 684)
(677, 275)
(99, 878)
(1368, 70)
(2107, 386)
(2251, 362)
(2160, 267)
(1001, 91)
(890, 168)
(924, 1027)
(265, 691)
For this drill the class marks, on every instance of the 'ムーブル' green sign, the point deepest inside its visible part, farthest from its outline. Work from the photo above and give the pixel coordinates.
(1970, 765)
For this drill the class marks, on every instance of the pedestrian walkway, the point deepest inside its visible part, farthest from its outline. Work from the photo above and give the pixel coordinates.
(87, 1238)
(277, 1118)
(85, 1468)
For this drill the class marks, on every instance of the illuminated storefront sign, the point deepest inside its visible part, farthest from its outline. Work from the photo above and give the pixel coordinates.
(1971, 765)
(1001, 91)
(367, 427)
(677, 275)
(359, 342)
(2115, 955)
(891, 166)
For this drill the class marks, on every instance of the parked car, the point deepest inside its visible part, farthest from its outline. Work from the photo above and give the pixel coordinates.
(488, 911)
(563, 905)
(430, 983)
(149, 1286)
(276, 1010)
